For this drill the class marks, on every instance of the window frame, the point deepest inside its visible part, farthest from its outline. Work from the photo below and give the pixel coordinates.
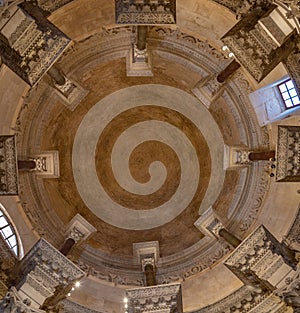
(290, 98)
(8, 225)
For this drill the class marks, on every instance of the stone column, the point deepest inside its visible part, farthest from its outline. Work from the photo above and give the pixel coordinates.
(150, 275)
(26, 165)
(211, 87)
(229, 237)
(228, 71)
(141, 37)
(261, 155)
(56, 75)
(78, 230)
(67, 246)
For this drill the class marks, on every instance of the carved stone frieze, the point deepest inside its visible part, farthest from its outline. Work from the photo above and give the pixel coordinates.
(30, 44)
(52, 5)
(288, 152)
(263, 255)
(292, 239)
(290, 292)
(8, 166)
(42, 270)
(14, 303)
(162, 298)
(68, 306)
(7, 262)
(291, 65)
(254, 45)
(145, 12)
(245, 299)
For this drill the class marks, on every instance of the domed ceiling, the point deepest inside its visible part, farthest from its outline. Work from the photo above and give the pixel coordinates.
(142, 158)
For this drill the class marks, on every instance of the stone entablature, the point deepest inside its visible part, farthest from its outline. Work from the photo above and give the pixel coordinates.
(261, 254)
(30, 44)
(68, 306)
(247, 299)
(14, 303)
(8, 166)
(162, 298)
(42, 270)
(257, 44)
(288, 154)
(145, 12)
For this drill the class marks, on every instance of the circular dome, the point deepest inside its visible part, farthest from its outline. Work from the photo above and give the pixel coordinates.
(129, 130)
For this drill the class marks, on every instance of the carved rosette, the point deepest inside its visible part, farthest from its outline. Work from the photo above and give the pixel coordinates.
(163, 298)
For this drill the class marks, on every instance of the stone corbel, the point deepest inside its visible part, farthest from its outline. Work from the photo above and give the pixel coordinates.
(209, 224)
(208, 89)
(71, 92)
(79, 229)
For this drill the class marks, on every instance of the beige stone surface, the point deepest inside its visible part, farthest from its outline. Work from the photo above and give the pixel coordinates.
(50, 125)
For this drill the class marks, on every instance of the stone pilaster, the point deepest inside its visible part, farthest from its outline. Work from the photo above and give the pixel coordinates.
(8, 166)
(155, 299)
(288, 154)
(42, 271)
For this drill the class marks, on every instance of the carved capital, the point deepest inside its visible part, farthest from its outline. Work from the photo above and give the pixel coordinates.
(79, 228)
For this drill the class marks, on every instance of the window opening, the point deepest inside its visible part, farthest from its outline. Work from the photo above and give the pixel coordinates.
(289, 94)
(8, 233)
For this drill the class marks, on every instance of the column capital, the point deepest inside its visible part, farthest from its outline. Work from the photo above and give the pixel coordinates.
(79, 228)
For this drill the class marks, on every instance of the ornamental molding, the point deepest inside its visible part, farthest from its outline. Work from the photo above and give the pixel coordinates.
(47, 266)
(32, 44)
(79, 228)
(145, 12)
(68, 306)
(13, 302)
(8, 261)
(8, 166)
(163, 298)
(287, 154)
